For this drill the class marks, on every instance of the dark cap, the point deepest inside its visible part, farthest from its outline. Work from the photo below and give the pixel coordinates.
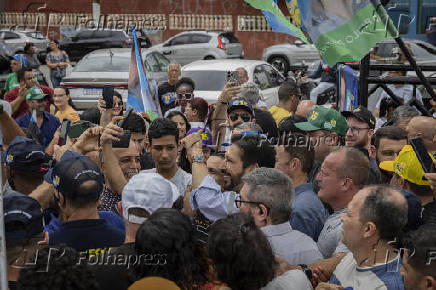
(72, 170)
(25, 154)
(363, 114)
(22, 216)
(240, 103)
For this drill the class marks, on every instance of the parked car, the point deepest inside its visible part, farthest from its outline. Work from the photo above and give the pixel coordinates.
(190, 46)
(110, 67)
(423, 52)
(83, 41)
(210, 76)
(16, 40)
(284, 56)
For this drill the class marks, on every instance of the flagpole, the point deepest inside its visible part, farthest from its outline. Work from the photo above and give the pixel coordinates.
(3, 264)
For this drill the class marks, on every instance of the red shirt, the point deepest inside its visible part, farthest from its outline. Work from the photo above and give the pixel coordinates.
(13, 94)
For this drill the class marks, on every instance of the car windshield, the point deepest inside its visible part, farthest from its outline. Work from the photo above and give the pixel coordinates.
(37, 35)
(103, 64)
(207, 80)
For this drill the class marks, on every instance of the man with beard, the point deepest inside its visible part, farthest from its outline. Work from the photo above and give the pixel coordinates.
(46, 123)
(361, 125)
(246, 153)
(388, 142)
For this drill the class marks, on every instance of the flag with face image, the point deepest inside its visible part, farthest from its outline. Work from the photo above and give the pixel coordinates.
(140, 96)
(345, 30)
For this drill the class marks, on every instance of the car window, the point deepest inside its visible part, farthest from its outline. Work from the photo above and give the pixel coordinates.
(85, 34)
(6, 35)
(102, 33)
(230, 37)
(260, 78)
(37, 35)
(162, 60)
(207, 80)
(179, 40)
(118, 34)
(103, 64)
(151, 63)
(200, 38)
(274, 77)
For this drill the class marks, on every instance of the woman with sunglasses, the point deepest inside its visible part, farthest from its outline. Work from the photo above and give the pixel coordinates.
(184, 93)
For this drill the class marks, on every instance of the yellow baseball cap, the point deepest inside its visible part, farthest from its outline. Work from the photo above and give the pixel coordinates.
(407, 166)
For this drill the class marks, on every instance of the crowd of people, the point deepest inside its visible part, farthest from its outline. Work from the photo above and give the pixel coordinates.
(225, 196)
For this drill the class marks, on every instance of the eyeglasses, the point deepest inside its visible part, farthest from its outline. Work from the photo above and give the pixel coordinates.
(186, 96)
(245, 117)
(357, 130)
(239, 202)
(58, 96)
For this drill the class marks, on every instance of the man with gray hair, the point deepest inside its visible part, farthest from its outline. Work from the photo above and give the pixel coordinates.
(267, 194)
(402, 116)
(250, 92)
(167, 90)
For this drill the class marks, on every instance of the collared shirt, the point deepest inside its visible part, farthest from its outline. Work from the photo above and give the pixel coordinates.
(308, 214)
(330, 238)
(381, 276)
(23, 109)
(291, 245)
(211, 202)
(48, 128)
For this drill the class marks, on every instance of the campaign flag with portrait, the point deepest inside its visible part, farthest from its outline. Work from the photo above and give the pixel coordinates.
(345, 30)
(140, 93)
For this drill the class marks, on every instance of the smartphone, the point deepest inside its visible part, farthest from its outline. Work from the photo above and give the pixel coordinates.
(126, 116)
(422, 154)
(77, 129)
(233, 76)
(63, 133)
(108, 96)
(124, 140)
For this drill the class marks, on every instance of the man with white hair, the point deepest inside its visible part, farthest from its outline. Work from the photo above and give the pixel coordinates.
(167, 90)
(250, 92)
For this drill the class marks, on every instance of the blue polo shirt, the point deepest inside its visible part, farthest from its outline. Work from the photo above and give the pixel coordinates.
(48, 127)
(308, 214)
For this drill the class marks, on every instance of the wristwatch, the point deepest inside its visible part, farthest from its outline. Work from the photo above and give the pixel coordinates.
(306, 271)
(198, 158)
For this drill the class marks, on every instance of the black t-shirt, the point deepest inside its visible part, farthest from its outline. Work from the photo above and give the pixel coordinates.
(95, 235)
(167, 96)
(116, 269)
(266, 122)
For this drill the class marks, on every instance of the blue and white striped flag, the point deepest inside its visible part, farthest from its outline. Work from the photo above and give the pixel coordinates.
(140, 94)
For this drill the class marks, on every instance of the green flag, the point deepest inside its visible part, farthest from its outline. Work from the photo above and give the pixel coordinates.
(276, 19)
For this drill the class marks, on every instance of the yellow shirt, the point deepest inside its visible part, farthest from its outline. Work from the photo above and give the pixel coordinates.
(278, 114)
(68, 113)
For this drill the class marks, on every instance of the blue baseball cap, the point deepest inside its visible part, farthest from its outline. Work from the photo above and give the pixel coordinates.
(25, 154)
(72, 170)
(240, 103)
(22, 215)
(206, 135)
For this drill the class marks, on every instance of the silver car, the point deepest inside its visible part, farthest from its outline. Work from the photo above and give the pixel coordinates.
(110, 67)
(190, 46)
(284, 56)
(18, 39)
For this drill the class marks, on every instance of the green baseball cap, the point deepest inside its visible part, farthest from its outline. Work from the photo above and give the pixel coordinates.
(325, 119)
(35, 93)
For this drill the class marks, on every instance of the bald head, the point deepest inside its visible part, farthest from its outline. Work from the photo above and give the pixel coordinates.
(425, 127)
(304, 107)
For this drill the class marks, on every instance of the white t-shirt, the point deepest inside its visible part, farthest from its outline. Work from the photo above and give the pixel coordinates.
(181, 179)
(290, 280)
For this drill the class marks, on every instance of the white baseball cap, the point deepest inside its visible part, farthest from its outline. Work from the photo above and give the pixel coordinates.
(148, 191)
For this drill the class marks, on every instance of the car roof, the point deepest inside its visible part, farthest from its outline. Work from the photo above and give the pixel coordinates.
(202, 32)
(221, 64)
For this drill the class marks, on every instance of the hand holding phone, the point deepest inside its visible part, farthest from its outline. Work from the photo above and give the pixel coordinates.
(108, 96)
(63, 132)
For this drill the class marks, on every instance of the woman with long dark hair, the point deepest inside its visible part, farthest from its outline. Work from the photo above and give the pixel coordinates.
(64, 105)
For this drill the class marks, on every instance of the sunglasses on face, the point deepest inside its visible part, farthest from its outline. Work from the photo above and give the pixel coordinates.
(186, 96)
(245, 117)
(119, 104)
